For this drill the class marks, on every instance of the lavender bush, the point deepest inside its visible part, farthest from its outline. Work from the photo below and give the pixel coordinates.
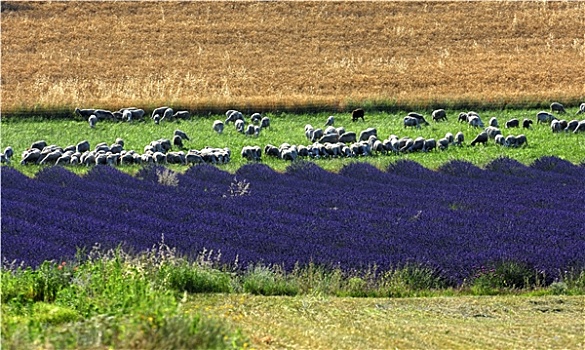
(456, 220)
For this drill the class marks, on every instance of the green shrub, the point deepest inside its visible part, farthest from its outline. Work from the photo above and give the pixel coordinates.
(269, 281)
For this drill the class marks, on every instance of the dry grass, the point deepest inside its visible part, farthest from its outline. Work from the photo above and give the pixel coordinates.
(199, 55)
(310, 322)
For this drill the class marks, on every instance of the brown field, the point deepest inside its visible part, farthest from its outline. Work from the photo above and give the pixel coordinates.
(200, 55)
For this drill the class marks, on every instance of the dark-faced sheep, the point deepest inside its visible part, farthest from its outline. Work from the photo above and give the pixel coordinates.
(6, 155)
(218, 126)
(233, 115)
(168, 114)
(330, 138)
(160, 111)
(555, 126)
(449, 136)
(429, 145)
(32, 155)
(252, 153)
(240, 125)
(492, 131)
(439, 114)
(512, 123)
(316, 135)
(181, 115)
(510, 141)
(482, 137)
(411, 122)
(265, 122)
(499, 140)
(527, 123)
(182, 134)
(156, 118)
(92, 120)
(493, 122)
(103, 114)
(330, 121)
(544, 117)
(357, 114)
(178, 141)
(475, 121)
(580, 127)
(250, 130)
(421, 119)
(581, 109)
(256, 118)
(571, 126)
(462, 118)
(459, 138)
(557, 107)
(84, 113)
(521, 140)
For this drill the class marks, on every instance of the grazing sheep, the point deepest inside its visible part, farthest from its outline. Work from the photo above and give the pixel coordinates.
(116, 148)
(462, 118)
(160, 111)
(340, 130)
(331, 138)
(421, 119)
(309, 130)
(449, 136)
(51, 157)
(443, 144)
(347, 137)
(557, 107)
(330, 130)
(127, 158)
(271, 150)
(156, 118)
(240, 125)
(527, 123)
(492, 131)
(165, 144)
(92, 120)
(493, 122)
(417, 144)
(581, 109)
(357, 114)
(330, 121)
(459, 138)
(233, 115)
(84, 113)
(256, 118)
(521, 141)
(544, 117)
(127, 115)
(475, 122)
(555, 126)
(572, 125)
(499, 140)
(193, 157)
(250, 130)
(6, 155)
(103, 114)
(182, 134)
(317, 134)
(563, 123)
(429, 145)
(482, 137)
(365, 134)
(412, 122)
(181, 115)
(510, 141)
(159, 158)
(512, 123)
(439, 114)
(218, 126)
(303, 151)
(176, 158)
(39, 145)
(257, 130)
(178, 141)
(265, 122)
(32, 155)
(580, 127)
(168, 114)
(406, 144)
(252, 153)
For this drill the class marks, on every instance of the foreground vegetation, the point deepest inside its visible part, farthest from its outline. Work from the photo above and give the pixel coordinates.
(159, 300)
(291, 55)
(20, 134)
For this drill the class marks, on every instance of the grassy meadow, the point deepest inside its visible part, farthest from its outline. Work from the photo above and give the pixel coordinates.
(290, 55)
(20, 134)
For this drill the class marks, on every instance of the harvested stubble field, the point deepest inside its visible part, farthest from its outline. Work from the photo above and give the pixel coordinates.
(271, 55)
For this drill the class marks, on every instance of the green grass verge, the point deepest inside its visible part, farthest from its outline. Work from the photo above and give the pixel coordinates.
(21, 133)
(148, 301)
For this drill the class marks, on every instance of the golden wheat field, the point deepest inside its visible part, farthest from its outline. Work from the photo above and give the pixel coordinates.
(267, 54)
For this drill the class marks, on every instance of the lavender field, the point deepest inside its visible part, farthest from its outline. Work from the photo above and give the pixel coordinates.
(455, 220)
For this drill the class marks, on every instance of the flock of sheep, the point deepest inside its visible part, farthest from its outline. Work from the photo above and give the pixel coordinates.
(330, 142)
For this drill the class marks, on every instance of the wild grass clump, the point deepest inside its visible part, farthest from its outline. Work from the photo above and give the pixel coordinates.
(112, 299)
